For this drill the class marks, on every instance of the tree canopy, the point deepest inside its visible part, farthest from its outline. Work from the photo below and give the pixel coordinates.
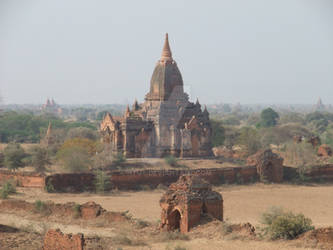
(268, 117)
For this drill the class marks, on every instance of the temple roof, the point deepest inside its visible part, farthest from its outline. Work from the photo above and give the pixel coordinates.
(166, 81)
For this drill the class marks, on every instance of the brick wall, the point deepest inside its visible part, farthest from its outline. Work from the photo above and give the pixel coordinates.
(134, 179)
(56, 240)
(23, 179)
(71, 182)
(78, 182)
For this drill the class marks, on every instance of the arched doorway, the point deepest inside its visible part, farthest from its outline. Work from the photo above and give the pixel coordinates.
(174, 220)
(203, 209)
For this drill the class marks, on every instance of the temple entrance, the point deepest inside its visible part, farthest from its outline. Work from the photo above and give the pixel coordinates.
(174, 220)
(204, 209)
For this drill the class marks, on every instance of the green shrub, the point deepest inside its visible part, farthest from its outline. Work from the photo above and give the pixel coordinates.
(226, 227)
(145, 187)
(7, 189)
(280, 224)
(102, 182)
(171, 161)
(38, 158)
(13, 156)
(118, 159)
(239, 179)
(77, 210)
(40, 206)
(49, 187)
(141, 223)
(3, 194)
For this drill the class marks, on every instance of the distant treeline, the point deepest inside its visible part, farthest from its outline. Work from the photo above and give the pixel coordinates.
(29, 128)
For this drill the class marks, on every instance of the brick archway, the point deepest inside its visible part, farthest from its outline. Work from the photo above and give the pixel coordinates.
(174, 220)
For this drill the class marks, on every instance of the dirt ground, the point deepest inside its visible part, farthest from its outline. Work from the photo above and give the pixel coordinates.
(244, 203)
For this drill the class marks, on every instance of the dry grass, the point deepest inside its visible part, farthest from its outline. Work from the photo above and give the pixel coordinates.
(241, 203)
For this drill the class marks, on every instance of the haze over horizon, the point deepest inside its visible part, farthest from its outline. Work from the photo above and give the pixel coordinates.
(101, 52)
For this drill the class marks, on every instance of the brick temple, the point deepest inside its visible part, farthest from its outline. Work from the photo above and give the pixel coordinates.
(187, 201)
(166, 123)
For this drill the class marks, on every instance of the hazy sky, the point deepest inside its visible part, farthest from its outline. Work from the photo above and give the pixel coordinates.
(95, 51)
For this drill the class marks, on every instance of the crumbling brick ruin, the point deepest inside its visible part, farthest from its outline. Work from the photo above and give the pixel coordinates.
(167, 123)
(324, 151)
(186, 201)
(269, 165)
(56, 240)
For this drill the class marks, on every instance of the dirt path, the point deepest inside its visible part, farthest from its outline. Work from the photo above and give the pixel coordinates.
(43, 226)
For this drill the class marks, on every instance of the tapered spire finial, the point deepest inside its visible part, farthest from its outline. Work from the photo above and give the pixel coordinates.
(166, 52)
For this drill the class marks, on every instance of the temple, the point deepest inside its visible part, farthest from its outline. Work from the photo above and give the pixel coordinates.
(166, 123)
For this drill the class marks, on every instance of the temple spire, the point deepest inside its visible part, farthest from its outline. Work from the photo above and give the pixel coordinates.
(49, 130)
(127, 112)
(166, 52)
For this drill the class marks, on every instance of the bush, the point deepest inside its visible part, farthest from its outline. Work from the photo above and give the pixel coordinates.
(118, 159)
(13, 156)
(171, 160)
(74, 158)
(40, 206)
(268, 118)
(38, 158)
(3, 194)
(77, 210)
(7, 189)
(280, 224)
(301, 154)
(141, 223)
(102, 182)
(249, 138)
(226, 227)
(218, 133)
(49, 187)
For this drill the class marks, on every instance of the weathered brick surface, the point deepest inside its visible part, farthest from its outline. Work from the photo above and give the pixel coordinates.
(90, 210)
(324, 151)
(186, 201)
(56, 240)
(269, 165)
(73, 182)
(23, 179)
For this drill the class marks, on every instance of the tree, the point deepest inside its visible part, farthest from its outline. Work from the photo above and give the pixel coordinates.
(82, 132)
(13, 156)
(268, 118)
(88, 145)
(74, 158)
(38, 158)
(249, 138)
(218, 133)
(101, 115)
